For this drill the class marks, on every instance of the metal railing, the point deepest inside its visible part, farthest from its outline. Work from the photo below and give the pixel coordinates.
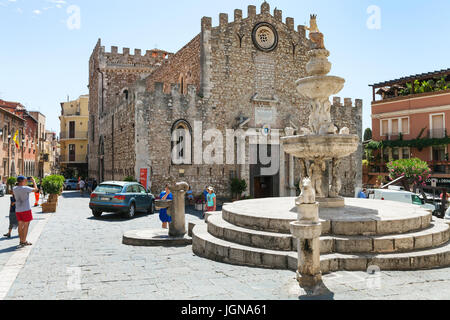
(73, 159)
(437, 133)
(76, 135)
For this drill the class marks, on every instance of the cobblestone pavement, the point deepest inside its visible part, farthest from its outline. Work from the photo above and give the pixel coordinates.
(81, 257)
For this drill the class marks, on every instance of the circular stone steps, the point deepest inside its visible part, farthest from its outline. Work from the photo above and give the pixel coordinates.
(437, 234)
(208, 246)
(358, 217)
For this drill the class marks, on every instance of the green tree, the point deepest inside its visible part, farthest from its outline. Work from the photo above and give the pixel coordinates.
(238, 187)
(414, 172)
(368, 134)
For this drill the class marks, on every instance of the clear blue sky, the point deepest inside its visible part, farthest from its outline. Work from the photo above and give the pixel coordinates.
(42, 60)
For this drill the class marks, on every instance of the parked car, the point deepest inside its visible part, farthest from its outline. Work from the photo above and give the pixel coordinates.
(2, 190)
(125, 198)
(71, 184)
(447, 215)
(400, 196)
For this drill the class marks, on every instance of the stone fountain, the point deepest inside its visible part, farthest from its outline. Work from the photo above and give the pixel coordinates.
(320, 143)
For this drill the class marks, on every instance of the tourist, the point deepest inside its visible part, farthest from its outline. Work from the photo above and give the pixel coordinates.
(211, 200)
(190, 195)
(94, 185)
(81, 185)
(37, 194)
(163, 216)
(205, 193)
(13, 224)
(23, 208)
(89, 186)
(362, 194)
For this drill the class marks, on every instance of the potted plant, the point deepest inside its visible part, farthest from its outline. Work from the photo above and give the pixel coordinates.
(52, 185)
(199, 201)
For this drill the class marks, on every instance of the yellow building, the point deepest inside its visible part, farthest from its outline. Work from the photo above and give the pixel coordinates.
(74, 121)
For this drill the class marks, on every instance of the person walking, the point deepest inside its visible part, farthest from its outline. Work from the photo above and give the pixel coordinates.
(23, 208)
(13, 223)
(82, 185)
(37, 194)
(163, 216)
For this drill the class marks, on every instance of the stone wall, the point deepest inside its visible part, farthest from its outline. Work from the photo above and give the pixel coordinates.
(114, 74)
(350, 115)
(182, 68)
(226, 80)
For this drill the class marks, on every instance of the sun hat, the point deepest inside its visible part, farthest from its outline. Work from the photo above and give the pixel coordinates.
(21, 178)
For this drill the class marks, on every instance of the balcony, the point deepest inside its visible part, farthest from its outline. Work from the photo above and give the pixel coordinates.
(78, 135)
(73, 159)
(437, 133)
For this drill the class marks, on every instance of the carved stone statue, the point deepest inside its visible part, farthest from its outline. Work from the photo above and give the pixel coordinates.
(336, 184)
(308, 195)
(316, 171)
(315, 36)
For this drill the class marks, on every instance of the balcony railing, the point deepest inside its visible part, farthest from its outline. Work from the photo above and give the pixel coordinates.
(73, 159)
(76, 135)
(437, 133)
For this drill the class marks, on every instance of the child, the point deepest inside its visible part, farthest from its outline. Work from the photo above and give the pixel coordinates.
(13, 224)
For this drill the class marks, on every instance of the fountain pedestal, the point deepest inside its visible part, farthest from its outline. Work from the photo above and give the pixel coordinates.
(319, 145)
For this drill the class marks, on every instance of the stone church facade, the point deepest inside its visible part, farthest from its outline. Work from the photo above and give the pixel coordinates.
(238, 75)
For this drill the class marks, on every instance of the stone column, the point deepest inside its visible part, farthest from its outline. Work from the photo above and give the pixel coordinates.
(308, 230)
(177, 227)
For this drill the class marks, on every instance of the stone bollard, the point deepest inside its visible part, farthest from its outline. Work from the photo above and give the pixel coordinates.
(308, 230)
(177, 227)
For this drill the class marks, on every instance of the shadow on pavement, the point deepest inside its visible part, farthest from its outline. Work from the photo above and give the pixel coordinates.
(8, 250)
(7, 239)
(116, 217)
(75, 195)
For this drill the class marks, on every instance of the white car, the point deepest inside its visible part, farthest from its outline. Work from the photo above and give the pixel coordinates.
(447, 215)
(399, 196)
(71, 184)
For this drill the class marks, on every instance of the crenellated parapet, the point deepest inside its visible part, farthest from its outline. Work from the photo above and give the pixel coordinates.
(252, 14)
(125, 58)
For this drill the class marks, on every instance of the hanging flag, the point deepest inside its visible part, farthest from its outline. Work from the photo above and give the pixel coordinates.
(15, 139)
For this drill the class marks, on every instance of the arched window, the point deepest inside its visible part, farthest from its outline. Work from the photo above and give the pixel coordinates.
(181, 143)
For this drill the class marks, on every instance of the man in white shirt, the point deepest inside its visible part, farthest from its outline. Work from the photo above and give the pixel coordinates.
(23, 207)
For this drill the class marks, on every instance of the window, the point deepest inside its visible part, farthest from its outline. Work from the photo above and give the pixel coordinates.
(181, 143)
(395, 129)
(384, 127)
(394, 126)
(437, 126)
(438, 153)
(396, 154)
(406, 153)
(405, 125)
(142, 190)
(386, 157)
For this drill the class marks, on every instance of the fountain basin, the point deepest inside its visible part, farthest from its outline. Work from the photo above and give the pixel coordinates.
(321, 146)
(319, 87)
(163, 204)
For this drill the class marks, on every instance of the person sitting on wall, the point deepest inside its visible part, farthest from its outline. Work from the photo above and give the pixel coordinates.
(163, 216)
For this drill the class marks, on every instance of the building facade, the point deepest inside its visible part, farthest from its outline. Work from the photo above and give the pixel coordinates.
(411, 116)
(40, 142)
(21, 159)
(237, 76)
(74, 135)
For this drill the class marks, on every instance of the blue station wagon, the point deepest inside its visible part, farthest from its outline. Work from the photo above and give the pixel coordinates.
(125, 198)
